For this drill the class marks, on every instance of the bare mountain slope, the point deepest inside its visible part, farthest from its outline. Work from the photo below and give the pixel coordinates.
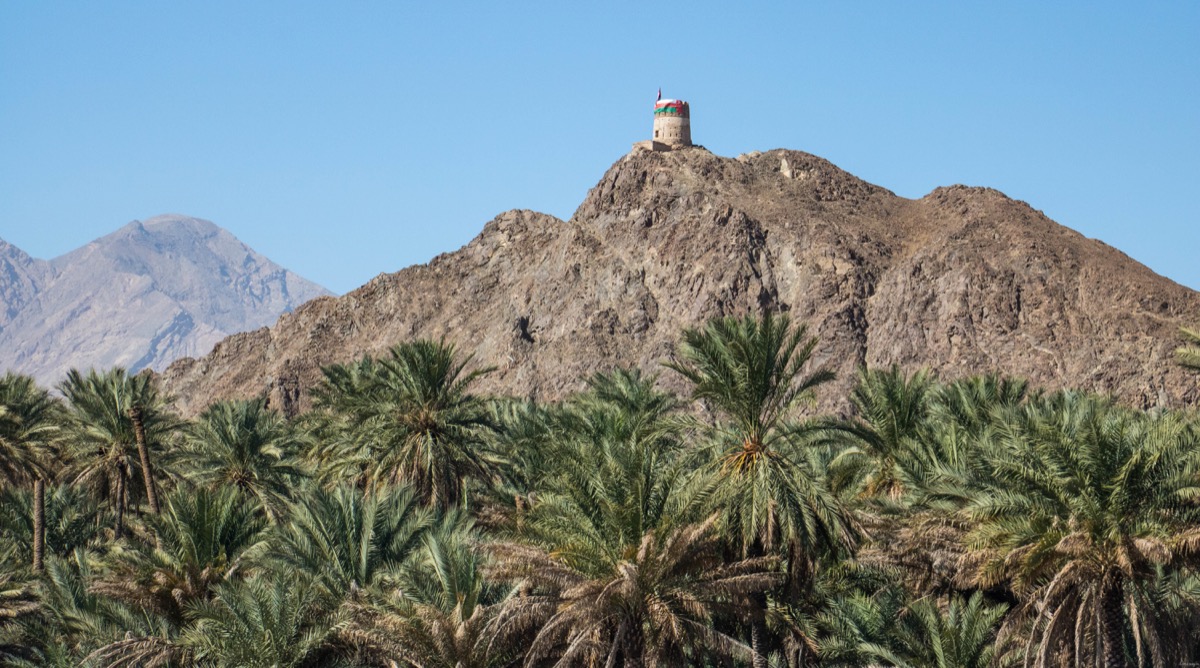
(21, 277)
(963, 280)
(143, 296)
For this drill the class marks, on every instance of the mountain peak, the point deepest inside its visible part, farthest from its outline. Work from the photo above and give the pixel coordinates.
(142, 296)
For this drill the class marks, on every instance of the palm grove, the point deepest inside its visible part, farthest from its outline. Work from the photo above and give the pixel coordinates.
(408, 521)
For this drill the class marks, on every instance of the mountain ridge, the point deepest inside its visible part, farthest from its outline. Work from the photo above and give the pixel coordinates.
(139, 297)
(963, 280)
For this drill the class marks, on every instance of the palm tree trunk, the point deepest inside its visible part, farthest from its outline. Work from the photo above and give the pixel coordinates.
(120, 522)
(39, 523)
(1113, 620)
(756, 644)
(139, 434)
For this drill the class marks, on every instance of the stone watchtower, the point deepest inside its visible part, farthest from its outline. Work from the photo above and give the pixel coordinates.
(673, 123)
(672, 126)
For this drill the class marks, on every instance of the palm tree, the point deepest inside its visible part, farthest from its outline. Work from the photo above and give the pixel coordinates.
(70, 520)
(658, 606)
(960, 635)
(353, 545)
(18, 601)
(615, 474)
(269, 622)
(244, 446)
(29, 429)
(892, 412)
(1188, 355)
(77, 621)
(883, 628)
(772, 493)
(104, 440)
(408, 419)
(445, 616)
(1089, 505)
(203, 538)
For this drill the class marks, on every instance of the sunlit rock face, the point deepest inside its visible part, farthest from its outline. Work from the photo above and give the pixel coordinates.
(963, 280)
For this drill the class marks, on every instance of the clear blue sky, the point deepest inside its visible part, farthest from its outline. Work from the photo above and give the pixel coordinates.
(345, 139)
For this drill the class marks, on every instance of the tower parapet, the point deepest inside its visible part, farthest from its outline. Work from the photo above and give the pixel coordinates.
(672, 126)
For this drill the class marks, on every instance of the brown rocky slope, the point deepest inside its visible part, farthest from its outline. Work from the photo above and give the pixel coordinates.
(963, 280)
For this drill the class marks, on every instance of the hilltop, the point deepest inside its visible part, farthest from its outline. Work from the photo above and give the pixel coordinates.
(964, 280)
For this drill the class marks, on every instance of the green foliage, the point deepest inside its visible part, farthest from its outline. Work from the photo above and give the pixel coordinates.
(101, 445)
(29, 430)
(350, 544)
(407, 521)
(1089, 502)
(242, 445)
(771, 488)
(274, 622)
(406, 419)
(72, 521)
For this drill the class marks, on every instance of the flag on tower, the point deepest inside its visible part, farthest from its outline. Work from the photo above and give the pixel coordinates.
(659, 94)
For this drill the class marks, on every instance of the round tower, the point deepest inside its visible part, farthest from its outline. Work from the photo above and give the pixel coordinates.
(673, 123)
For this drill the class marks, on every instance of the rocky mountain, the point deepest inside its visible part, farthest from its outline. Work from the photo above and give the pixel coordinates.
(964, 280)
(143, 296)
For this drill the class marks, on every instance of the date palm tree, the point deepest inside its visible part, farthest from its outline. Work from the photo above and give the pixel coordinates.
(351, 544)
(959, 634)
(1090, 504)
(658, 606)
(409, 419)
(751, 372)
(29, 432)
(772, 494)
(18, 601)
(892, 412)
(445, 615)
(243, 445)
(617, 562)
(70, 520)
(270, 622)
(202, 539)
(103, 440)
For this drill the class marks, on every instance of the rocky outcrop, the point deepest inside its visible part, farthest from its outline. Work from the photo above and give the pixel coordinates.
(141, 297)
(964, 280)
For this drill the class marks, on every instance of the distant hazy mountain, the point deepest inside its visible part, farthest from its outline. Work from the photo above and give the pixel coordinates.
(143, 296)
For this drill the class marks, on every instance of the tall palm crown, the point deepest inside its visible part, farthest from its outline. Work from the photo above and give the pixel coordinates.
(102, 440)
(412, 420)
(269, 623)
(202, 539)
(659, 606)
(444, 618)
(615, 474)
(352, 543)
(617, 562)
(752, 373)
(243, 445)
(1089, 504)
(885, 448)
(29, 428)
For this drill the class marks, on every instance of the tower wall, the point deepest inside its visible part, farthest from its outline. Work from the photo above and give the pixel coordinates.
(673, 124)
